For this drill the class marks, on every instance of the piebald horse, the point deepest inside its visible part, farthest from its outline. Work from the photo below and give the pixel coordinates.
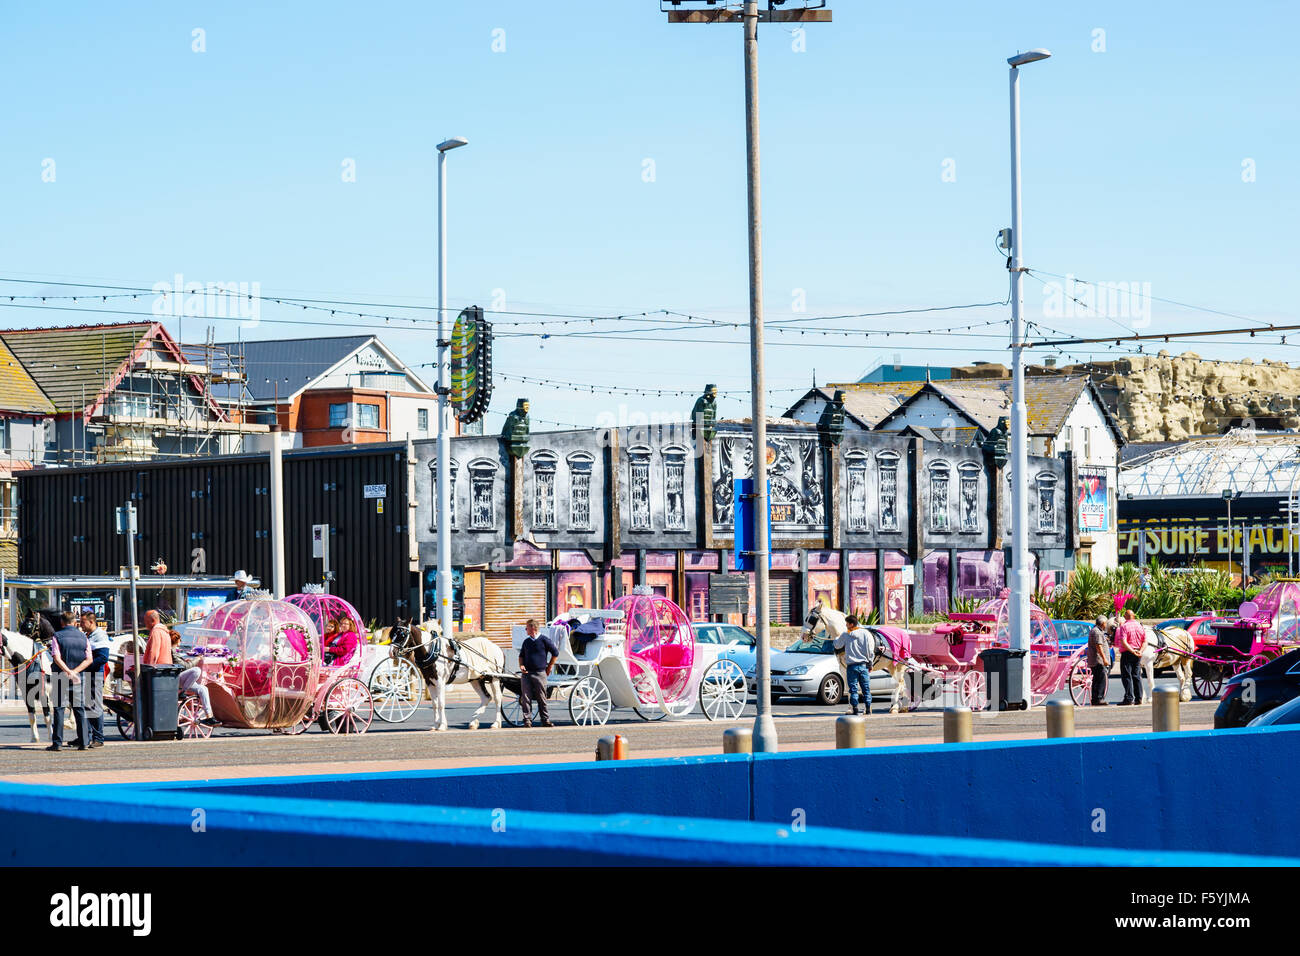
(474, 660)
(1168, 647)
(31, 664)
(888, 657)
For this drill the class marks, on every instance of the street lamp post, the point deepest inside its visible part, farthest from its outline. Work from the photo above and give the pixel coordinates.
(1021, 586)
(443, 580)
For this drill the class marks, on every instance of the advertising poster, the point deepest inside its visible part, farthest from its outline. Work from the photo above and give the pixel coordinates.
(1092, 503)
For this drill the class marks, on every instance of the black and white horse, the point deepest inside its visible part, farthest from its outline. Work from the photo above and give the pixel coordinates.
(474, 660)
(30, 663)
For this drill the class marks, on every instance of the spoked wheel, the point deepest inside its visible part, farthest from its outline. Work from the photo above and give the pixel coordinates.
(348, 708)
(189, 720)
(512, 709)
(303, 724)
(126, 727)
(1081, 683)
(722, 690)
(972, 691)
(590, 702)
(1207, 680)
(646, 688)
(397, 689)
(1259, 660)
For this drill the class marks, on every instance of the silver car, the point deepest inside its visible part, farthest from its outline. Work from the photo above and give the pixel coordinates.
(809, 668)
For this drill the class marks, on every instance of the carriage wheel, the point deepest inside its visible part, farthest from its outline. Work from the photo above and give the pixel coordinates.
(126, 727)
(722, 690)
(1081, 683)
(972, 690)
(348, 708)
(397, 689)
(512, 709)
(590, 702)
(189, 720)
(1259, 660)
(646, 688)
(1207, 680)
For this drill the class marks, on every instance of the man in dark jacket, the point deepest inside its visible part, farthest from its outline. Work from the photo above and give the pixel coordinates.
(536, 661)
(1099, 659)
(70, 651)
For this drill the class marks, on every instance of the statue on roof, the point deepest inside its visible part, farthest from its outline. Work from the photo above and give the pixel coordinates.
(830, 426)
(997, 441)
(515, 430)
(704, 416)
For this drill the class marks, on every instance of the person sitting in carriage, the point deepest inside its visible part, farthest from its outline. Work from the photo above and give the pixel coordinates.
(191, 682)
(340, 641)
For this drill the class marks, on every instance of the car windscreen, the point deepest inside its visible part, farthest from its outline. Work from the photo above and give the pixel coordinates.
(812, 646)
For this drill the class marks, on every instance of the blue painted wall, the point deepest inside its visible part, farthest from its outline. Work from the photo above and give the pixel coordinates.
(1216, 792)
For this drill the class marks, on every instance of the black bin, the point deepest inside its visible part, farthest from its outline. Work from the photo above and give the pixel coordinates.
(159, 693)
(1003, 678)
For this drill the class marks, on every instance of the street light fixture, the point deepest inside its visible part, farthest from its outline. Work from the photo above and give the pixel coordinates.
(1021, 586)
(442, 582)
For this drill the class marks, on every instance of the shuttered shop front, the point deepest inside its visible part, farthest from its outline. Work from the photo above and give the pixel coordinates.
(782, 603)
(510, 599)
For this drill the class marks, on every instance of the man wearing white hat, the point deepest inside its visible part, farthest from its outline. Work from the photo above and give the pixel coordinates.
(242, 587)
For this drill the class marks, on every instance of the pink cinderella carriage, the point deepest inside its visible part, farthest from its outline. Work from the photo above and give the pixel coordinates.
(640, 652)
(263, 668)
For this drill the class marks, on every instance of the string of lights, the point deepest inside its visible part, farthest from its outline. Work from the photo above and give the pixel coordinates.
(1154, 298)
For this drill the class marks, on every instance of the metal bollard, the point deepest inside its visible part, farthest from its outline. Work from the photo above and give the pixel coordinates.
(850, 732)
(1164, 709)
(957, 725)
(738, 740)
(1060, 718)
(611, 748)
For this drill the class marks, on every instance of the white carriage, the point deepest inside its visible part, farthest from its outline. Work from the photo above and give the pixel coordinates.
(639, 654)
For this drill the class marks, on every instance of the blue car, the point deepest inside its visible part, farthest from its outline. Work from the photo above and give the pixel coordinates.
(1071, 635)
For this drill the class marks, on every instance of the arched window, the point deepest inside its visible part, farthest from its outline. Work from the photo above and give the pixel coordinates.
(638, 487)
(453, 466)
(580, 466)
(482, 498)
(887, 465)
(1046, 483)
(544, 489)
(674, 487)
(969, 490)
(940, 478)
(855, 489)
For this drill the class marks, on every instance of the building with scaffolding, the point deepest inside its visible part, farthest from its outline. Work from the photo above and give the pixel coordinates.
(109, 393)
(1226, 501)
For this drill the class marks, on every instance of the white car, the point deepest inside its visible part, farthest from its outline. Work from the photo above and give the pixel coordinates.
(811, 669)
(715, 641)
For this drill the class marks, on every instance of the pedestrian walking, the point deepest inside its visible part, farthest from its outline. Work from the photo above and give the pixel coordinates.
(536, 661)
(70, 652)
(859, 646)
(101, 649)
(1099, 659)
(1130, 636)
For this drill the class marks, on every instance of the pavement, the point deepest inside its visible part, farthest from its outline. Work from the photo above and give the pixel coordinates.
(801, 725)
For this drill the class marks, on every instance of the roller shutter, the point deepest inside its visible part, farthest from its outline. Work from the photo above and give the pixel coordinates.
(510, 599)
(781, 600)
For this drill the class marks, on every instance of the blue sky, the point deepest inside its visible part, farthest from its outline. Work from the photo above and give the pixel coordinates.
(226, 165)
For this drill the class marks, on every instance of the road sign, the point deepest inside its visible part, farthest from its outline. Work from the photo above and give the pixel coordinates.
(743, 496)
(125, 520)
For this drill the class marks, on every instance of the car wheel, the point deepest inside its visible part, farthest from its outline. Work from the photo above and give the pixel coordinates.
(831, 691)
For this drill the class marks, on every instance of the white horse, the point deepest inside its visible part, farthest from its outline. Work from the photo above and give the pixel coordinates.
(476, 661)
(894, 661)
(31, 665)
(1168, 647)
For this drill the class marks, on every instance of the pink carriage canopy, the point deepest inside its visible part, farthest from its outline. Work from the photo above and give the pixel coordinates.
(660, 634)
(321, 607)
(268, 664)
(1043, 645)
(1277, 609)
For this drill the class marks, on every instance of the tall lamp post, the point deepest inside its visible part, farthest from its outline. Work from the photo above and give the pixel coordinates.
(443, 580)
(1021, 586)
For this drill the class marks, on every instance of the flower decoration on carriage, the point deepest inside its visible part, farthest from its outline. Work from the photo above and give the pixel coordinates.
(1122, 600)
